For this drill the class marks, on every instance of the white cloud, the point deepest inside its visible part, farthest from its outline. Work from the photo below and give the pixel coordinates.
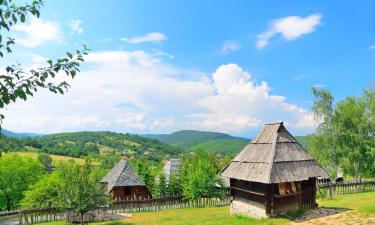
(135, 91)
(371, 47)
(76, 26)
(290, 28)
(37, 32)
(150, 37)
(229, 46)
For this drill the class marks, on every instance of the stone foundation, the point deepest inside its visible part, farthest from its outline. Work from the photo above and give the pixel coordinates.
(246, 209)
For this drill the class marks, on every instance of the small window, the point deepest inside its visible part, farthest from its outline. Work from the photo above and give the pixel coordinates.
(128, 190)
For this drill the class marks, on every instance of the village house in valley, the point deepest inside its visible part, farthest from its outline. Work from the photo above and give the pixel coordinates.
(125, 184)
(273, 174)
(171, 168)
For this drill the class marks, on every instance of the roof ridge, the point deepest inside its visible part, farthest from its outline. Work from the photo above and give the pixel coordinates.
(273, 152)
(123, 168)
(275, 122)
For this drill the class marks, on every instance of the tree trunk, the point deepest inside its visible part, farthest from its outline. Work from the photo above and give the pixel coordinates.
(8, 203)
(82, 221)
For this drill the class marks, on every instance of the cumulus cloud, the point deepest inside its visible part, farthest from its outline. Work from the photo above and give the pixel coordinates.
(135, 91)
(229, 46)
(76, 26)
(37, 32)
(154, 37)
(290, 28)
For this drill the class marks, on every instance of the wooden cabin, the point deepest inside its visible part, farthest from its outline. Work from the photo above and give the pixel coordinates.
(272, 175)
(125, 184)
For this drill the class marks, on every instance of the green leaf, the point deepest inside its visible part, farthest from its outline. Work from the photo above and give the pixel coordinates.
(23, 18)
(14, 18)
(70, 55)
(7, 15)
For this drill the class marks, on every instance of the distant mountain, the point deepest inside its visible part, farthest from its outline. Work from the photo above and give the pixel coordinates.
(12, 134)
(193, 139)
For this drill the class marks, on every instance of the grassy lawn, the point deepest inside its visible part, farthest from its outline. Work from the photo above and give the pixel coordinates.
(357, 206)
(362, 203)
(55, 158)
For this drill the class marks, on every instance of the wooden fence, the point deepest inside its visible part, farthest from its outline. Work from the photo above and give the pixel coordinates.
(166, 203)
(347, 187)
(46, 215)
(40, 215)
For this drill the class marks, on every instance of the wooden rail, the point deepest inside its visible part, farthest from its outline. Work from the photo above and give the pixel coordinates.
(347, 187)
(103, 213)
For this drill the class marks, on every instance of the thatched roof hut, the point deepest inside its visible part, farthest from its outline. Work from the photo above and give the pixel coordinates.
(273, 174)
(124, 183)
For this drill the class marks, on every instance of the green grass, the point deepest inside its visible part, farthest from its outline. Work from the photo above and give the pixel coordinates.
(361, 207)
(55, 158)
(364, 203)
(209, 216)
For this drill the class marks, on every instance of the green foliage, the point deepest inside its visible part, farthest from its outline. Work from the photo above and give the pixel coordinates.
(215, 142)
(16, 175)
(67, 186)
(85, 143)
(199, 176)
(161, 186)
(108, 161)
(15, 82)
(81, 191)
(46, 193)
(230, 146)
(174, 185)
(46, 160)
(345, 137)
(144, 171)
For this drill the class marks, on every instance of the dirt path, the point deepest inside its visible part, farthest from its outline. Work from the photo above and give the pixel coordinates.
(335, 217)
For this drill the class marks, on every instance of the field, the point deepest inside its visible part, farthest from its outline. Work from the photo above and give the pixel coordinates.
(55, 158)
(353, 209)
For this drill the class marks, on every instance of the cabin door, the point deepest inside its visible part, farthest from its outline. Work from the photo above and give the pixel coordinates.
(308, 195)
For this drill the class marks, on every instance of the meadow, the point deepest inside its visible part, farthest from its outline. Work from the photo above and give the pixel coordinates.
(354, 209)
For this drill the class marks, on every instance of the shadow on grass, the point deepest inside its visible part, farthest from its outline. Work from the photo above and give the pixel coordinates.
(302, 215)
(118, 223)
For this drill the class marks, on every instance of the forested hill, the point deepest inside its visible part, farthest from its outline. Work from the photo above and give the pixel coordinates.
(78, 144)
(11, 134)
(212, 141)
(193, 139)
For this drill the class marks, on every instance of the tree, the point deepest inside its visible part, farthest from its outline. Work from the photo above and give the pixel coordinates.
(44, 194)
(17, 83)
(161, 185)
(16, 175)
(109, 160)
(353, 118)
(46, 160)
(81, 191)
(345, 136)
(199, 176)
(324, 141)
(174, 185)
(143, 169)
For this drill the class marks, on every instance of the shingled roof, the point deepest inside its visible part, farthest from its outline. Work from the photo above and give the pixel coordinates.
(122, 174)
(274, 156)
(172, 167)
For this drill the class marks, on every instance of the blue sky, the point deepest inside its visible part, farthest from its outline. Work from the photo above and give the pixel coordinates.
(161, 66)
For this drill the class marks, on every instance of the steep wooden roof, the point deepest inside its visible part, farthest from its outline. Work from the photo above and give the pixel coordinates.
(122, 174)
(274, 156)
(172, 167)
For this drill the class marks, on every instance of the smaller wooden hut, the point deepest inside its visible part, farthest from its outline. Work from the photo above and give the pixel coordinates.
(125, 184)
(273, 174)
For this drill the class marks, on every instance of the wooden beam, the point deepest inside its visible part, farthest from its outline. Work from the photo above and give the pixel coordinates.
(248, 191)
